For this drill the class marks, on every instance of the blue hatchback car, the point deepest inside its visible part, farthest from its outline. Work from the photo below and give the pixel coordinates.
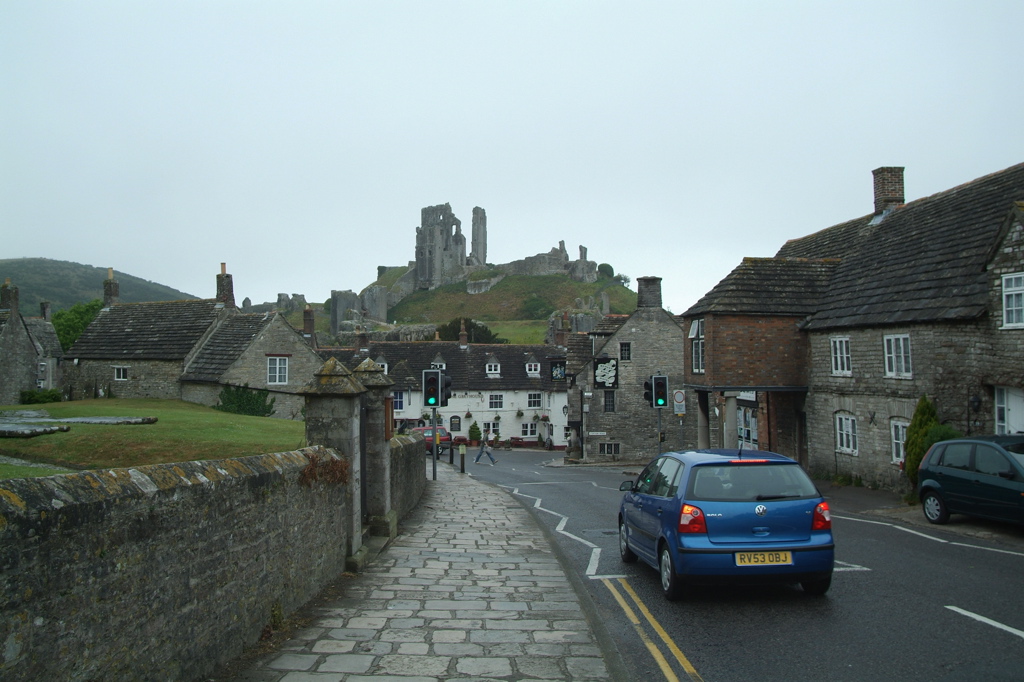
(714, 516)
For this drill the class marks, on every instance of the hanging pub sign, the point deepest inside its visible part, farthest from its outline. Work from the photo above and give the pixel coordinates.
(558, 370)
(606, 373)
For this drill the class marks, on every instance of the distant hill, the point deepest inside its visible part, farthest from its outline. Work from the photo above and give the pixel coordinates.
(64, 284)
(518, 297)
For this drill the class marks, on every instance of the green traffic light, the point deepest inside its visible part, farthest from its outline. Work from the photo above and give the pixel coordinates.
(431, 400)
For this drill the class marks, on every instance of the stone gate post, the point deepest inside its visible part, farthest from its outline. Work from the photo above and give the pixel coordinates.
(383, 518)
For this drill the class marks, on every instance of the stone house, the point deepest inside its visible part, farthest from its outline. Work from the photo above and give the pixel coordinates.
(189, 350)
(608, 367)
(918, 298)
(30, 353)
(518, 390)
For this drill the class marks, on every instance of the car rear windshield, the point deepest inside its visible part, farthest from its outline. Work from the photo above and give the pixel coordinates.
(750, 482)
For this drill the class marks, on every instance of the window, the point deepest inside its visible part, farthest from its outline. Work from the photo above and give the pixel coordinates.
(489, 426)
(120, 374)
(608, 448)
(841, 365)
(533, 369)
(990, 461)
(496, 401)
(1013, 300)
(609, 401)
(846, 434)
(566, 434)
(533, 399)
(277, 370)
(493, 368)
(529, 429)
(897, 356)
(697, 345)
(625, 351)
(746, 427)
(899, 440)
(399, 401)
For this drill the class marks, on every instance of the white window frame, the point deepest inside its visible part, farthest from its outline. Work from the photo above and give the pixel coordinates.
(493, 368)
(533, 400)
(842, 364)
(898, 436)
(496, 401)
(120, 373)
(846, 433)
(697, 345)
(277, 370)
(529, 429)
(533, 369)
(1013, 301)
(398, 400)
(898, 363)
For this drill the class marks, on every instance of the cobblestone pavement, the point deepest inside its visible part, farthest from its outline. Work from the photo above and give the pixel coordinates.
(470, 589)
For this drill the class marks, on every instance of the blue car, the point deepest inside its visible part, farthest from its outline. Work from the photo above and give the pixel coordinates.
(720, 516)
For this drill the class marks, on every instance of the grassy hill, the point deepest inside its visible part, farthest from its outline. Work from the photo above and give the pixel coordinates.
(64, 284)
(531, 298)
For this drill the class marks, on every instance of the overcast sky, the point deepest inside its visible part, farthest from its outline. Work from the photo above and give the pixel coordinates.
(297, 141)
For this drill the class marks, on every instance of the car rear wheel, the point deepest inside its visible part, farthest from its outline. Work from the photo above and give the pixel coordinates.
(671, 583)
(818, 586)
(934, 508)
(628, 556)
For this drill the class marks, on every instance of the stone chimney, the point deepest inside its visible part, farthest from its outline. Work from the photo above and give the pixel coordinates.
(562, 330)
(307, 320)
(9, 297)
(111, 289)
(44, 310)
(648, 292)
(225, 288)
(888, 187)
(463, 336)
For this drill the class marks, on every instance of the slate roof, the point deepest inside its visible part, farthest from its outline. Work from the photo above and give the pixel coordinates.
(225, 346)
(772, 286)
(166, 330)
(45, 337)
(924, 262)
(407, 360)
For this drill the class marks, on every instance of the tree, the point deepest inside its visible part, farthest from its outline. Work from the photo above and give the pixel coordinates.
(924, 431)
(605, 270)
(475, 332)
(71, 323)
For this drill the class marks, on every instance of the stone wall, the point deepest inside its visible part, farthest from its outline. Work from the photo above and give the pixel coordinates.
(407, 473)
(164, 571)
(146, 379)
(17, 361)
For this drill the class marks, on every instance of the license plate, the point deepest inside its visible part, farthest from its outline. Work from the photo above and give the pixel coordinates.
(763, 558)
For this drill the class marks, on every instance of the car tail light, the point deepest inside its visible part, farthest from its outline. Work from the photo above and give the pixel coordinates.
(822, 517)
(691, 520)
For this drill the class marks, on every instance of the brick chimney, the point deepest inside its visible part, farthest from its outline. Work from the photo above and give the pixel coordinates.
(9, 297)
(308, 320)
(648, 292)
(225, 288)
(888, 187)
(463, 335)
(44, 310)
(111, 289)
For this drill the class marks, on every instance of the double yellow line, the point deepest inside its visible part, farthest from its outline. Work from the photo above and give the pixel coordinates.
(666, 667)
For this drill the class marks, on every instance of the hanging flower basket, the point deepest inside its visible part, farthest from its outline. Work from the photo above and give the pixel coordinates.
(544, 418)
(469, 415)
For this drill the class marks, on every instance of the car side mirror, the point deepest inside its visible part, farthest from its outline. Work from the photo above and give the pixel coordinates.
(626, 486)
(1008, 474)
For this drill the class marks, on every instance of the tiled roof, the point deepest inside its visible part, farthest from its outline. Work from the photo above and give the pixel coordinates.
(771, 286)
(225, 346)
(167, 330)
(923, 262)
(45, 337)
(407, 360)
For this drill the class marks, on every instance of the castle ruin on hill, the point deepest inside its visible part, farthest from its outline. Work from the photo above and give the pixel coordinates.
(441, 258)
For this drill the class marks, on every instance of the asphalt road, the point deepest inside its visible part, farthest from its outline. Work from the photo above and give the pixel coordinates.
(909, 601)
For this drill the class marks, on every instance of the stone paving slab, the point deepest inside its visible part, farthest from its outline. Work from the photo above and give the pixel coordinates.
(469, 590)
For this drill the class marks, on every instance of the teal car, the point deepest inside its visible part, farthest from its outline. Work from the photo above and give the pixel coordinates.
(981, 476)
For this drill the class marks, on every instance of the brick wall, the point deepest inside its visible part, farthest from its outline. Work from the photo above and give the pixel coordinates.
(750, 350)
(160, 572)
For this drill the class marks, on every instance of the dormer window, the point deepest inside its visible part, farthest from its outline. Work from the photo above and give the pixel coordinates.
(438, 362)
(533, 369)
(383, 363)
(493, 368)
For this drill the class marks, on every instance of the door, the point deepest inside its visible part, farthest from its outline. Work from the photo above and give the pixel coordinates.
(1009, 410)
(956, 477)
(997, 488)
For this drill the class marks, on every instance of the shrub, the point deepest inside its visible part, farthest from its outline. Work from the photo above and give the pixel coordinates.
(50, 395)
(244, 400)
(474, 431)
(923, 432)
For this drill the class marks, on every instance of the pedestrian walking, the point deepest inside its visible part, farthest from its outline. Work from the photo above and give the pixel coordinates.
(485, 446)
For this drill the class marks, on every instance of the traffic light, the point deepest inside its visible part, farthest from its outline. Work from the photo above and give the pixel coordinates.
(660, 391)
(649, 391)
(431, 388)
(446, 388)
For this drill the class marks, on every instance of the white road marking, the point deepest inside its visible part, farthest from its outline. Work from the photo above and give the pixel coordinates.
(929, 537)
(987, 621)
(595, 551)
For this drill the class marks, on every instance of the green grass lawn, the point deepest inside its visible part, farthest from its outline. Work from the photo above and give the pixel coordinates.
(183, 432)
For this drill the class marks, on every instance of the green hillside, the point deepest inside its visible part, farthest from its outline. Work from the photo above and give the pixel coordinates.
(64, 284)
(517, 297)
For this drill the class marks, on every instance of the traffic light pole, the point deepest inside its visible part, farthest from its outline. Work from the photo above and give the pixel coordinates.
(659, 431)
(433, 440)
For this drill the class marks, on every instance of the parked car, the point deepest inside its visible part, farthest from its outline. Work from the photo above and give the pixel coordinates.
(720, 516)
(444, 440)
(981, 476)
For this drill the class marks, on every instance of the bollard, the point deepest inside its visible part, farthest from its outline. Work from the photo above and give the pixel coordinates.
(462, 458)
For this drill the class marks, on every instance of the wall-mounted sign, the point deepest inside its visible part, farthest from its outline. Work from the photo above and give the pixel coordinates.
(558, 370)
(606, 373)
